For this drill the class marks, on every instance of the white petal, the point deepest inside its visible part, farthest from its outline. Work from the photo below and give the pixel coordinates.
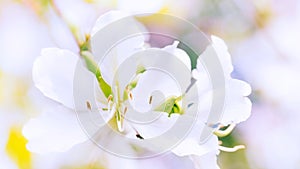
(166, 161)
(53, 74)
(113, 16)
(193, 147)
(147, 86)
(237, 106)
(55, 130)
(179, 53)
(156, 127)
(222, 52)
(107, 19)
(164, 73)
(207, 161)
(113, 46)
(111, 62)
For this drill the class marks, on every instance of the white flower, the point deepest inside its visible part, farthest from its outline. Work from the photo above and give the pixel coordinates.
(237, 107)
(119, 96)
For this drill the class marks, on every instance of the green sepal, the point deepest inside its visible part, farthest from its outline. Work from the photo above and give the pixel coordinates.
(94, 68)
(170, 106)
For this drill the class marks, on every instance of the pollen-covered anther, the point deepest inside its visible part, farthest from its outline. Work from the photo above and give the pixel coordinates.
(150, 99)
(88, 105)
(139, 136)
(109, 98)
(224, 133)
(125, 110)
(233, 149)
(130, 96)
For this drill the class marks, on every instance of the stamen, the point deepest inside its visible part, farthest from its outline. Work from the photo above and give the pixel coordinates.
(150, 100)
(189, 105)
(109, 105)
(139, 136)
(105, 109)
(120, 125)
(125, 110)
(231, 150)
(224, 133)
(109, 98)
(112, 110)
(130, 96)
(88, 105)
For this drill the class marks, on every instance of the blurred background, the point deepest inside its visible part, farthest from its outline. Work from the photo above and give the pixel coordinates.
(262, 35)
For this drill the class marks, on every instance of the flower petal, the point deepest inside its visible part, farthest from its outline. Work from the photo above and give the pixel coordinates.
(112, 45)
(147, 87)
(53, 74)
(237, 106)
(193, 147)
(179, 53)
(207, 161)
(55, 130)
(222, 52)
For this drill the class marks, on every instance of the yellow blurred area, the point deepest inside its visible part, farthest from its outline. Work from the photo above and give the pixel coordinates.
(16, 148)
(13, 91)
(38, 6)
(90, 166)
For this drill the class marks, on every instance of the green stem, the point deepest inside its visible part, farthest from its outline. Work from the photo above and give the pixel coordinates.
(84, 47)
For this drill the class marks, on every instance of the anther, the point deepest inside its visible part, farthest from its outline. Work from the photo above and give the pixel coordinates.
(130, 96)
(150, 100)
(139, 136)
(109, 98)
(88, 105)
(125, 110)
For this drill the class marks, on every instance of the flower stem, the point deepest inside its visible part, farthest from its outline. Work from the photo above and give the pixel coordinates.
(84, 51)
(72, 28)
